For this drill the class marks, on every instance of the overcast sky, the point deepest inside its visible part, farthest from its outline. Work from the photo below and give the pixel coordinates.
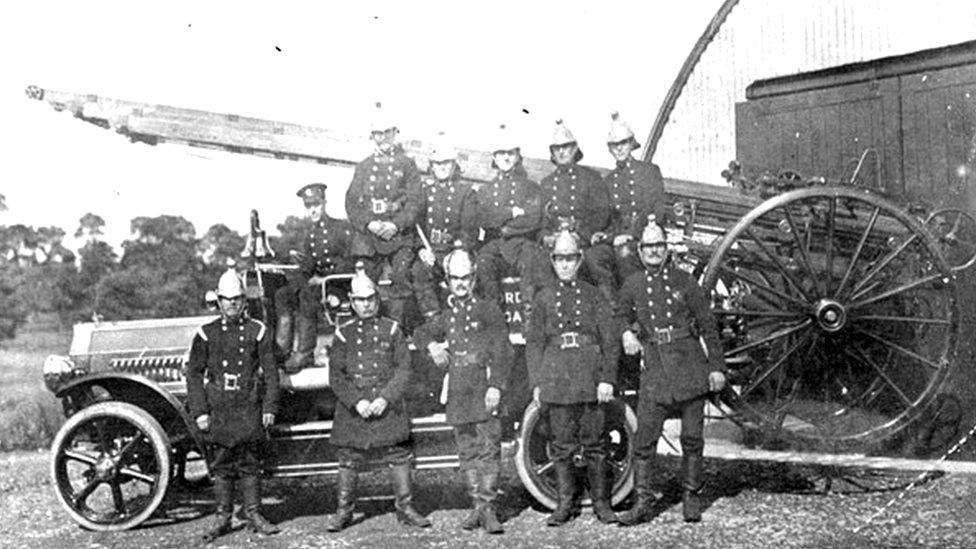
(457, 67)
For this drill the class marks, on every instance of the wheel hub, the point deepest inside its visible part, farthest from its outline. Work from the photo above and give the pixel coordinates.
(831, 315)
(105, 468)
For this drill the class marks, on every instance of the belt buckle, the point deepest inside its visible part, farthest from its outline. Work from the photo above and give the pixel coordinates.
(379, 206)
(437, 236)
(231, 382)
(570, 340)
(662, 335)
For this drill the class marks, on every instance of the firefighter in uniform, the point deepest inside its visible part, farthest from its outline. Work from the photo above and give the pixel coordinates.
(577, 200)
(509, 211)
(369, 371)
(235, 354)
(470, 340)
(637, 190)
(448, 215)
(571, 352)
(382, 203)
(326, 252)
(665, 313)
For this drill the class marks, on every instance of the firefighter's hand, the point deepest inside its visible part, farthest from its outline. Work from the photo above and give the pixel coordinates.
(377, 407)
(632, 345)
(362, 408)
(426, 256)
(604, 392)
(598, 237)
(516, 211)
(375, 227)
(621, 240)
(438, 352)
(203, 422)
(716, 381)
(388, 230)
(492, 397)
(536, 396)
(267, 420)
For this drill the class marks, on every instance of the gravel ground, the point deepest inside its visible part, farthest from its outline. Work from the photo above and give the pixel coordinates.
(749, 505)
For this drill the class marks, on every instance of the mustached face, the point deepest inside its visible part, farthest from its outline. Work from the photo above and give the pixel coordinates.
(231, 307)
(653, 255)
(564, 155)
(620, 150)
(566, 265)
(461, 286)
(315, 210)
(365, 307)
(506, 160)
(384, 140)
(442, 170)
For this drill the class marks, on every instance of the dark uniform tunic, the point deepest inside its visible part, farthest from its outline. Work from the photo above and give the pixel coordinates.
(571, 347)
(326, 251)
(369, 359)
(636, 190)
(385, 187)
(449, 214)
(510, 240)
(235, 357)
(668, 311)
(480, 357)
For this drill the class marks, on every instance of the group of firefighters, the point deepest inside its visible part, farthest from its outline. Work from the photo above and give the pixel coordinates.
(591, 257)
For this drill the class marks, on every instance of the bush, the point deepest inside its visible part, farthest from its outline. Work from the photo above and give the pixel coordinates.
(29, 419)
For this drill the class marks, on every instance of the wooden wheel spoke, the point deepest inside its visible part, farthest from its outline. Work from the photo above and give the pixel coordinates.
(86, 490)
(857, 252)
(138, 475)
(760, 286)
(907, 319)
(544, 468)
(779, 265)
(767, 313)
(892, 345)
(883, 263)
(864, 359)
(894, 291)
(768, 370)
(831, 221)
(770, 338)
(117, 497)
(130, 445)
(78, 456)
(795, 231)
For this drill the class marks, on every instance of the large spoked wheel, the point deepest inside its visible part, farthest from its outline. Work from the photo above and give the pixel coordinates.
(111, 466)
(534, 464)
(838, 315)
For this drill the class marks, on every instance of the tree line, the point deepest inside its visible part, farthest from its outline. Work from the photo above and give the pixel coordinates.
(163, 270)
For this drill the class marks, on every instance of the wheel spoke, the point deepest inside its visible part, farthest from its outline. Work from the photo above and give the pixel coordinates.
(831, 220)
(909, 319)
(894, 291)
(117, 497)
(864, 359)
(857, 252)
(883, 263)
(779, 265)
(794, 230)
(758, 380)
(900, 349)
(544, 468)
(80, 497)
(768, 339)
(767, 313)
(78, 456)
(129, 445)
(760, 286)
(138, 475)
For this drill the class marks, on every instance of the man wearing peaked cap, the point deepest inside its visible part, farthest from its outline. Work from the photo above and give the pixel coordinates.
(666, 312)
(577, 199)
(571, 352)
(325, 250)
(235, 354)
(470, 341)
(369, 369)
(636, 190)
(509, 211)
(447, 215)
(383, 202)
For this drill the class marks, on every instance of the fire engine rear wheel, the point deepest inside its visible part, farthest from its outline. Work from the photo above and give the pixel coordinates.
(111, 466)
(535, 466)
(838, 314)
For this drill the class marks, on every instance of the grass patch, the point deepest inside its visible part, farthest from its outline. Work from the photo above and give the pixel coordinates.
(29, 414)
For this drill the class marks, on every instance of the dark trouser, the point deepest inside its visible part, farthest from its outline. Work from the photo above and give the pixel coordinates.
(426, 282)
(599, 262)
(650, 424)
(396, 454)
(575, 425)
(238, 461)
(479, 445)
(400, 262)
(516, 255)
(399, 457)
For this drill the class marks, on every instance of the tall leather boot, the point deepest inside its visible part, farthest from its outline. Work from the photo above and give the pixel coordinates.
(472, 479)
(641, 510)
(303, 354)
(284, 336)
(489, 493)
(224, 496)
(406, 514)
(691, 466)
(346, 500)
(251, 487)
(597, 475)
(566, 487)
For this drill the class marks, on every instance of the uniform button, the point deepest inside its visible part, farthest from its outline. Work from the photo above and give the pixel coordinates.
(240, 362)
(224, 363)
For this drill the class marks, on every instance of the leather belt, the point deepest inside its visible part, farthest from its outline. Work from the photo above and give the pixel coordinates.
(381, 206)
(439, 236)
(664, 336)
(232, 382)
(572, 340)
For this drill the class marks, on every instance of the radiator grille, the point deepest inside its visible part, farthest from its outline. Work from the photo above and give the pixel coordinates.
(157, 368)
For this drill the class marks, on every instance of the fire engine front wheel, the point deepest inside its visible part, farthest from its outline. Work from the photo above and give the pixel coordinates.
(534, 463)
(111, 466)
